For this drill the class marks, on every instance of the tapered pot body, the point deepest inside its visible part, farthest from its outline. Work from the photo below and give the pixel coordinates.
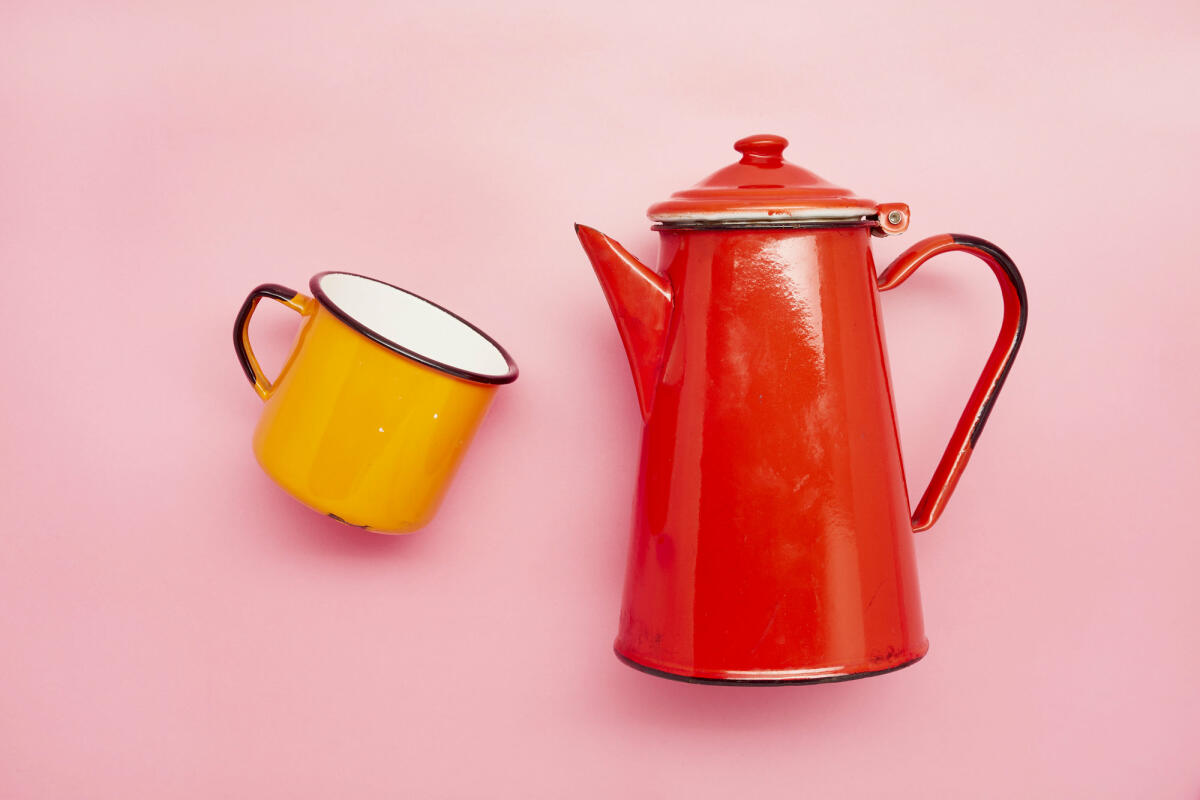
(771, 536)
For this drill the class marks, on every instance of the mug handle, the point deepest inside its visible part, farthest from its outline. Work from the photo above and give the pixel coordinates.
(299, 303)
(1012, 330)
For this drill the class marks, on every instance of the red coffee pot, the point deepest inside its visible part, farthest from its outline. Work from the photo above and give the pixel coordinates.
(772, 536)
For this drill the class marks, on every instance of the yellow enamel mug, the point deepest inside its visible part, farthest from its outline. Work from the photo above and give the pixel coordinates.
(377, 402)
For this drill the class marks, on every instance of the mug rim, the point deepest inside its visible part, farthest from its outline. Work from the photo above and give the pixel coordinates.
(508, 376)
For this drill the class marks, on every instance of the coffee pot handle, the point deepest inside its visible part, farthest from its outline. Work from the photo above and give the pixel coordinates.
(1012, 329)
(241, 329)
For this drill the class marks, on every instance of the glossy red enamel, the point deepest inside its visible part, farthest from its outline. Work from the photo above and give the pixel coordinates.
(771, 529)
(772, 536)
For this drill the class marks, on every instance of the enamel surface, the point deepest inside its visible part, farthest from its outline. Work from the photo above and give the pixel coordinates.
(414, 324)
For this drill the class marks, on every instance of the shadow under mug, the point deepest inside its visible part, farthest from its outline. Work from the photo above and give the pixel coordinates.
(377, 402)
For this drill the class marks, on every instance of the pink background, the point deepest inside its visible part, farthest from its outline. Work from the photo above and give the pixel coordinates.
(172, 625)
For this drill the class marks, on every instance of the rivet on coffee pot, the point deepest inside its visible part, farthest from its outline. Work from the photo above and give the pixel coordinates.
(892, 218)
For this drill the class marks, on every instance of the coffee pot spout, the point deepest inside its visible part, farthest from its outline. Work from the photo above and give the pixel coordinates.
(640, 300)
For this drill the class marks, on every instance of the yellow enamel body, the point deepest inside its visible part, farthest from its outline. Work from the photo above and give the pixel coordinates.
(362, 433)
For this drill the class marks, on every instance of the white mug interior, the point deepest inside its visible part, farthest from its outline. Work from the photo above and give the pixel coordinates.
(413, 325)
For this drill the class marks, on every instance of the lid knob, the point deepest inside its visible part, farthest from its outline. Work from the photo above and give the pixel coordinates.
(764, 150)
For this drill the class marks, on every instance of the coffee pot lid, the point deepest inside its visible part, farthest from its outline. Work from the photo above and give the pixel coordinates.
(764, 190)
